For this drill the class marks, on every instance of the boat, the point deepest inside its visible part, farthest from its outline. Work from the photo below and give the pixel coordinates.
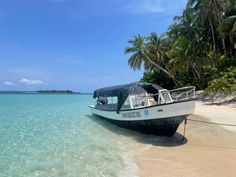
(145, 107)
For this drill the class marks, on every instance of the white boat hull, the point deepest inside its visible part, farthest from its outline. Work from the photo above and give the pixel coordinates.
(160, 119)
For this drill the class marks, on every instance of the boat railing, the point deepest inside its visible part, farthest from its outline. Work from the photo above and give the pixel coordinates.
(184, 93)
(145, 100)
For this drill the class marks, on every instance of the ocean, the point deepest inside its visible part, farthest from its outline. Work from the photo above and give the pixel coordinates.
(53, 135)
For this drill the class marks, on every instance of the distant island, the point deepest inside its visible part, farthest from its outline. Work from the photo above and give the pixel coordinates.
(54, 91)
(41, 92)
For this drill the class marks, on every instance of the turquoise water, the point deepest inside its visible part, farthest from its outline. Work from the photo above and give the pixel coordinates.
(55, 135)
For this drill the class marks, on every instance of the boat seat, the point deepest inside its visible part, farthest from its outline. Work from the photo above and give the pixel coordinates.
(152, 102)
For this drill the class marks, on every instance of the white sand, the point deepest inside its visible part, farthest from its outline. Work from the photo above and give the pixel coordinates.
(210, 150)
(218, 113)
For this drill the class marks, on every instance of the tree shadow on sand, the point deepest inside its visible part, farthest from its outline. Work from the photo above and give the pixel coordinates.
(176, 140)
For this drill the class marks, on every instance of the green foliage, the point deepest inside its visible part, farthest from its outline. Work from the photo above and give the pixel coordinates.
(225, 84)
(227, 25)
(147, 50)
(137, 44)
(197, 48)
(159, 78)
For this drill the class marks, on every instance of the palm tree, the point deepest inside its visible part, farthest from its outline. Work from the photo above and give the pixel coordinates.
(136, 59)
(142, 54)
(201, 11)
(209, 14)
(156, 51)
(227, 26)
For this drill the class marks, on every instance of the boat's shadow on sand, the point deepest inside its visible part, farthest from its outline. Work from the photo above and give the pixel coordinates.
(176, 140)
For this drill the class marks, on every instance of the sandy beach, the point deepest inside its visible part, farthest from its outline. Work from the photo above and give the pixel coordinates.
(209, 150)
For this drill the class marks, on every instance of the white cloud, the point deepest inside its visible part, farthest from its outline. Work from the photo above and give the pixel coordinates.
(155, 6)
(31, 82)
(10, 83)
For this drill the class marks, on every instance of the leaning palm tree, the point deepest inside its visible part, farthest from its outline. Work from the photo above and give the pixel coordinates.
(136, 49)
(142, 54)
(156, 51)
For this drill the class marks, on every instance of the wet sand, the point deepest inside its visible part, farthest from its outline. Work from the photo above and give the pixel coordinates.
(209, 150)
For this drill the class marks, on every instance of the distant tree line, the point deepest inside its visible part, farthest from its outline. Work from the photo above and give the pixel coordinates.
(54, 91)
(198, 49)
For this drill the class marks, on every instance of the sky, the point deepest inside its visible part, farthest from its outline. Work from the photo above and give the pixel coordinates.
(75, 44)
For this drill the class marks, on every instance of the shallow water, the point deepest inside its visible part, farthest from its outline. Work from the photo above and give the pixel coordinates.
(55, 135)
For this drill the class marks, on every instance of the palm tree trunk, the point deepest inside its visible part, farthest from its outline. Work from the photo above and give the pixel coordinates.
(213, 34)
(224, 47)
(231, 52)
(231, 45)
(164, 70)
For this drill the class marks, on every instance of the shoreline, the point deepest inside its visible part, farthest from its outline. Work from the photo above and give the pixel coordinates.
(204, 153)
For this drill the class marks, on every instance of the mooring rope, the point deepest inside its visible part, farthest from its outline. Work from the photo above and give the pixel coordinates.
(185, 123)
(207, 122)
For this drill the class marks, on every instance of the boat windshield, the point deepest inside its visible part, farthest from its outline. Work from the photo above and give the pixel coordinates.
(138, 101)
(164, 97)
(145, 100)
